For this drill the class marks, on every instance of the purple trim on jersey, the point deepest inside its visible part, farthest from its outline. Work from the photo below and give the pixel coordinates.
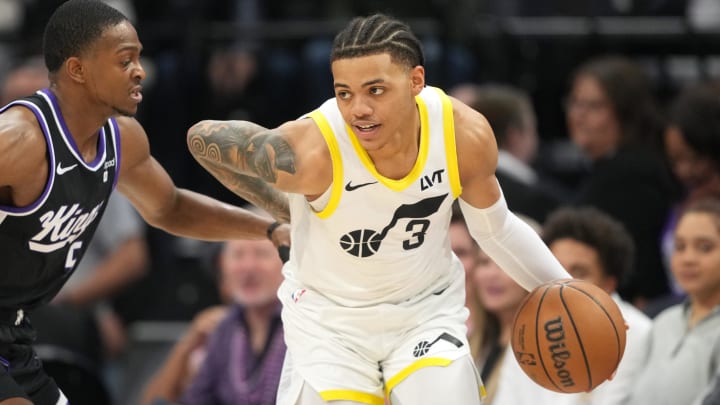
(116, 142)
(27, 210)
(65, 132)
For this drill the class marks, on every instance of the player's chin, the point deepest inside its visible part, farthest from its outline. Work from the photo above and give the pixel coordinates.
(126, 111)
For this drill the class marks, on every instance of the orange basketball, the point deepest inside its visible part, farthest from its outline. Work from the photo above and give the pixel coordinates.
(568, 335)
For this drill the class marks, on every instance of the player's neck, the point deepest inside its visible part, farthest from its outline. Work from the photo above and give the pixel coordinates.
(396, 158)
(82, 118)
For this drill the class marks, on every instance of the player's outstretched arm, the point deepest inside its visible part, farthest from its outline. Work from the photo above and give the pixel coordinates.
(248, 158)
(182, 212)
(213, 144)
(509, 241)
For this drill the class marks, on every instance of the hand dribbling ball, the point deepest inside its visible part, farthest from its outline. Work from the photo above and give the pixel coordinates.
(568, 336)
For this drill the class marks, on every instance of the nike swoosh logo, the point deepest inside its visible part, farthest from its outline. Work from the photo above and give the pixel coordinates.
(62, 170)
(350, 187)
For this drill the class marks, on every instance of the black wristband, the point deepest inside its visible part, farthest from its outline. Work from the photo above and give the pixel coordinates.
(271, 228)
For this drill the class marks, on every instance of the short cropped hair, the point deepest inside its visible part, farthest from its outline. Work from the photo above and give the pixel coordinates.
(612, 242)
(378, 34)
(505, 107)
(74, 27)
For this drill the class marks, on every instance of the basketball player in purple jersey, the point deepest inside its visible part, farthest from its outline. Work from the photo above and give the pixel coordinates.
(62, 152)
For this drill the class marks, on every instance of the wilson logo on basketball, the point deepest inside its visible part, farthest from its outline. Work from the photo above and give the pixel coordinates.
(555, 333)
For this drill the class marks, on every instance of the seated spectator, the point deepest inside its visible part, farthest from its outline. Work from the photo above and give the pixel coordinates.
(467, 250)
(245, 351)
(683, 354)
(612, 118)
(692, 146)
(512, 118)
(594, 247)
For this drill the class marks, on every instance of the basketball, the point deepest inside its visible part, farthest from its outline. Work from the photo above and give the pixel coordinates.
(568, 336)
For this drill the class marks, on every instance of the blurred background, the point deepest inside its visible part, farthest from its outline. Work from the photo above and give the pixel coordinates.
(267, 61)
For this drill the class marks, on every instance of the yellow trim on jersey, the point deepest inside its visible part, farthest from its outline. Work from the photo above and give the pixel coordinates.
(404, 373)
(350, 395)
(450, 146)
(399, 185)
(336, 159)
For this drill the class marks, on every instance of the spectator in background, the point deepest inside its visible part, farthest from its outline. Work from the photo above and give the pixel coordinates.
(692, 146)
(596, 248)
(611, 117)
(24, 79)
(593, 247)
(510, 113)
(244, 353)
(467, 250)
(683, 354)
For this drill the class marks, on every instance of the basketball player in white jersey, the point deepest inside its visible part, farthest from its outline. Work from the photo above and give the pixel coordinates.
(373, 296)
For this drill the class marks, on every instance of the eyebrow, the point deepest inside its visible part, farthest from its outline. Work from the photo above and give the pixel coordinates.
(367, 83)
(130, 48)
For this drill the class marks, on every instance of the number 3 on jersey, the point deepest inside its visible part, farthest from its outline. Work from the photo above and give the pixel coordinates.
(418, 227)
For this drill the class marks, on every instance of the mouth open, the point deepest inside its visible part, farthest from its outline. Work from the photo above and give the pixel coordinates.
(366, 131)
(136, 94)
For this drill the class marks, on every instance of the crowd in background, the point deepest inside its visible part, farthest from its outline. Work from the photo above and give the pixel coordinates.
(577, 125)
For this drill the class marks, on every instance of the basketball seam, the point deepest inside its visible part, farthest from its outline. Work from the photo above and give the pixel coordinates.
(537, 339)
(577, 335)
(599, 304)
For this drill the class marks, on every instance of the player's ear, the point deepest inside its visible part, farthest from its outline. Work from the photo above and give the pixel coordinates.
(417, 79)
(74, 68)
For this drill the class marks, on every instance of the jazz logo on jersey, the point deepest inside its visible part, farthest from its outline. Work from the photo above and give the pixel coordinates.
(423, 347)
(366, 242)
(62, 227)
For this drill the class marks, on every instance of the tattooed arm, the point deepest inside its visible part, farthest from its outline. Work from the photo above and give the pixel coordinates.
(251, 189)
(255, 162)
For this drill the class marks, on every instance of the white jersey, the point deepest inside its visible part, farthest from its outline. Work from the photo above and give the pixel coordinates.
(371, 239)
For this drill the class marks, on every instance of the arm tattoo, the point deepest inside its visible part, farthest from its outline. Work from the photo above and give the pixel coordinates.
(242, 147)
(252, 189)
(245, 157)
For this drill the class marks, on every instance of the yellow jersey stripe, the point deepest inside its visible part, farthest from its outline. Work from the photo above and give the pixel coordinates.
(401, 184)
(450, 146)
(337, 166)
(350, 395)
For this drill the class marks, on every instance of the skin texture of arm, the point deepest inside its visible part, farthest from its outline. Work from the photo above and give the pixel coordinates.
(477, 156)
(23, 166)
(178, 211)
(255, 162)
